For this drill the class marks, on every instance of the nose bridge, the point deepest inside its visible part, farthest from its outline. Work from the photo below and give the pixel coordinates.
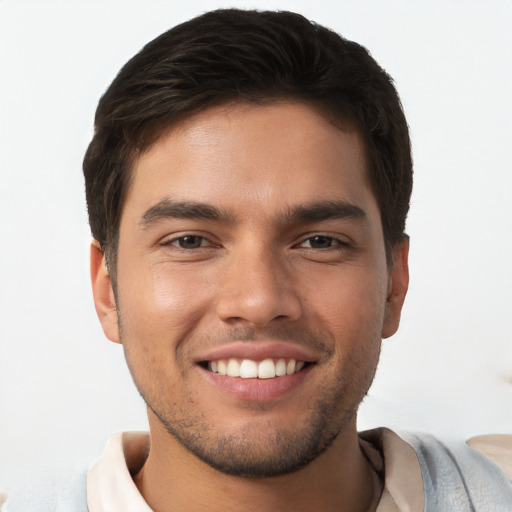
(258, 287)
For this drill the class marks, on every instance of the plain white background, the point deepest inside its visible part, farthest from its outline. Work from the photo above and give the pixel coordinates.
(64, 389)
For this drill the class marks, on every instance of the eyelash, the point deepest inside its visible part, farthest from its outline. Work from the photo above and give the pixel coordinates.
(334, 243)
(176, 242)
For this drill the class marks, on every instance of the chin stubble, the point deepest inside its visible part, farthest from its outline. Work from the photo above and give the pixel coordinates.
(252, 453)
(254, 450)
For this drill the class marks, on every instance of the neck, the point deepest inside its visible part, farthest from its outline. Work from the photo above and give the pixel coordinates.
(341, 479)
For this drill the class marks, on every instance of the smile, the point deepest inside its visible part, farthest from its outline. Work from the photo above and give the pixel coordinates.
(251, 369)
(262, 371)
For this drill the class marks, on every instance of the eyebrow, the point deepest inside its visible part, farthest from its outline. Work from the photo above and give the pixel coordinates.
(168, 209)
(324, 210)
(304, 213)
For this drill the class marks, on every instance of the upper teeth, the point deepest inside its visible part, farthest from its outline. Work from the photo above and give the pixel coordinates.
(249, 369)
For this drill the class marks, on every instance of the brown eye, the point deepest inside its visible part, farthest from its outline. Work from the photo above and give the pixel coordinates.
(320, 242)
(190, 242)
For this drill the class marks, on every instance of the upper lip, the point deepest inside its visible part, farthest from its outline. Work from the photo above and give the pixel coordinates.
(260, 350)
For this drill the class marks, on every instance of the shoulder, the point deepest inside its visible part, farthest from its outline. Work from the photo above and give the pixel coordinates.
(497, 448)
(48, 492)
(424, 473)
(458, 476)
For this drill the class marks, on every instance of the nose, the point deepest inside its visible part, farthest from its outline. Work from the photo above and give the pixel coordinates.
(257, 289)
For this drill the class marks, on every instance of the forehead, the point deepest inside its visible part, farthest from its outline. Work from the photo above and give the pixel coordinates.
(246, 156)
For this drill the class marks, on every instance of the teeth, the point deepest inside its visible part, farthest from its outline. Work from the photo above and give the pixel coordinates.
(249, 369)
(223, 370)
(267, 369)
(233, 368)
(281, 367)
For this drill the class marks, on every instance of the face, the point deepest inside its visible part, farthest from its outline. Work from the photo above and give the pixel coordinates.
(253, 289)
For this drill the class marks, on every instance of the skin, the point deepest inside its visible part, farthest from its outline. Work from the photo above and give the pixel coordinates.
(255, 276)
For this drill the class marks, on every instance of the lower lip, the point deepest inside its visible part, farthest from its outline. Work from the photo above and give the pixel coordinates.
(257, 390)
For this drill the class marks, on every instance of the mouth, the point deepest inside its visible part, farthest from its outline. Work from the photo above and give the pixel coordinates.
(268, 368)
(262, 371)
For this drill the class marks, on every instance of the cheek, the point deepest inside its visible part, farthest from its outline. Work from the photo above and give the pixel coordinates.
(352, 312)
(350, 303)
(158, 311)
(159, 306)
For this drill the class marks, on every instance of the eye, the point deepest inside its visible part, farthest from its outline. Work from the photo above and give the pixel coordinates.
(321, 242)
(189, 242)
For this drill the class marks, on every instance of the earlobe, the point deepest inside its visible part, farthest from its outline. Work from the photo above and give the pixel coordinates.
(103, 293)
(397, 288)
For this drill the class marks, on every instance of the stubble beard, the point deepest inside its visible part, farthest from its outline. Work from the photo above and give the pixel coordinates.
(254, 451)
(255, 454)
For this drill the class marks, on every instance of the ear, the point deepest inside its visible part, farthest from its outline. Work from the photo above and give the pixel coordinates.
(103, 293)
(397, 288)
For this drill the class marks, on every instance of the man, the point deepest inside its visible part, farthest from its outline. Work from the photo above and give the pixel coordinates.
(248, 184)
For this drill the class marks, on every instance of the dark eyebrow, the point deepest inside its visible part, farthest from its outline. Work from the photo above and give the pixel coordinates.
(324, 210)
(308, 212)
(168, 209)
